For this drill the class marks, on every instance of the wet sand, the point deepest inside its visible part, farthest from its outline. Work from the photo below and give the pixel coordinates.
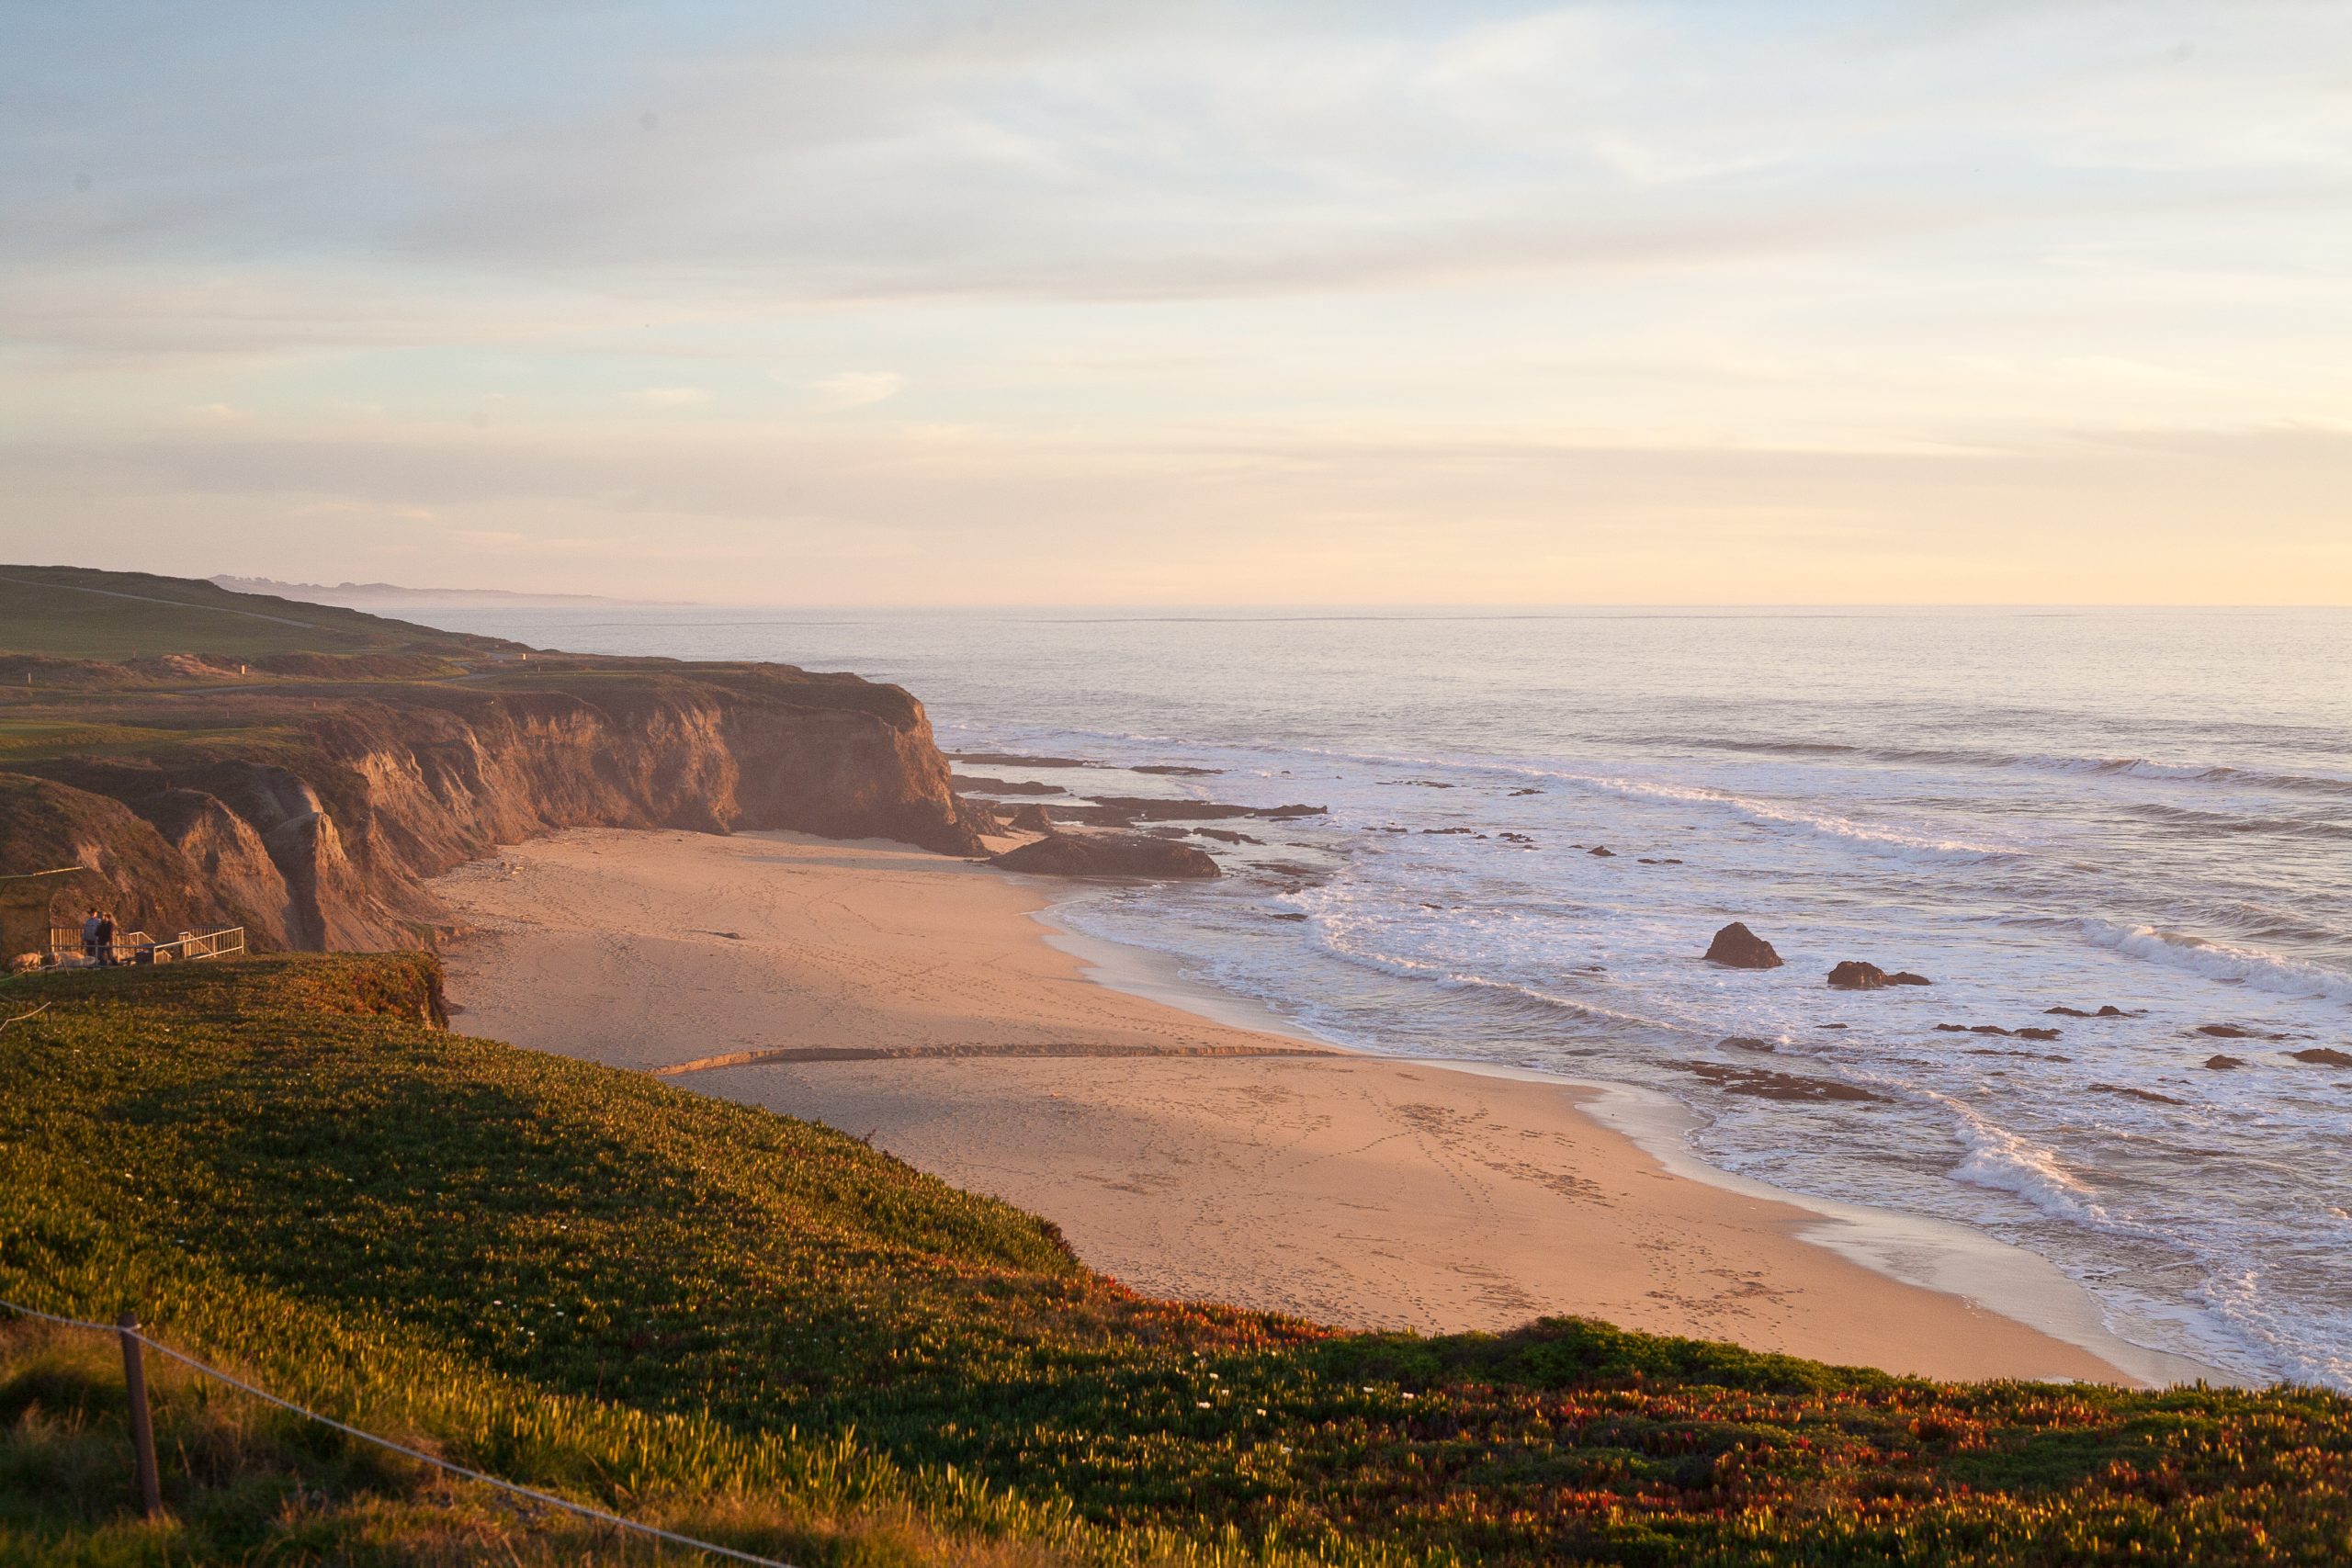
(912, 998)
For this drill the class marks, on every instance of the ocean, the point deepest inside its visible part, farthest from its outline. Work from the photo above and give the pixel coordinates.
(2143, 809)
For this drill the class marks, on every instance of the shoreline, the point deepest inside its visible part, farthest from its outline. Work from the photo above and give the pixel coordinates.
(1203, 1148)
(1935, 1255)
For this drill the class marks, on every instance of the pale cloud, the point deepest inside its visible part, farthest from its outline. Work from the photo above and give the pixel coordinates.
(856, 388)
(673, 397)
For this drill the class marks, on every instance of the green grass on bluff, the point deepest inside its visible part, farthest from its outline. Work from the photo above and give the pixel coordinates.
(80, 612)
(759, 1329)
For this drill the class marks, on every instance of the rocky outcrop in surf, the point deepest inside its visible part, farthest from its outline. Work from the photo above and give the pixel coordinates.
(1736, 947)
(986, 785)
(1109, 855)
(1855, 975)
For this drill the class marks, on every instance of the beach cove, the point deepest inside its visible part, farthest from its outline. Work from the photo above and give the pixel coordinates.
(912, 998)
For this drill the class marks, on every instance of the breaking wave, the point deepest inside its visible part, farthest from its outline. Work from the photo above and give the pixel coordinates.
(2219, 961)
(1962, 757)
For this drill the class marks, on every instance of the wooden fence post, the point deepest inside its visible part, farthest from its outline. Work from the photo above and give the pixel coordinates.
(142, 1427)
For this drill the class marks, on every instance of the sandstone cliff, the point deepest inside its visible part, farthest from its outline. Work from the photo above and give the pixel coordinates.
(313, 815)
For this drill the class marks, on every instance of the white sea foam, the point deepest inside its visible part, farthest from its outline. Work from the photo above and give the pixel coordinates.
(2221, 961)
(1356, 940)
(2189, 772)
(1828, 823)
(2006, 1162)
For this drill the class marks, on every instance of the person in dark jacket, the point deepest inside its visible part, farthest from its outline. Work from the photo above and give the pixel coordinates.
(90, 937)
(105, 939)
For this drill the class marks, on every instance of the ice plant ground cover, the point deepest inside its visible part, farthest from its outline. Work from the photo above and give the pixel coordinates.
(764, 1332)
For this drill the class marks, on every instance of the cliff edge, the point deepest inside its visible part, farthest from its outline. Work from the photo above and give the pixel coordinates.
(309, 796)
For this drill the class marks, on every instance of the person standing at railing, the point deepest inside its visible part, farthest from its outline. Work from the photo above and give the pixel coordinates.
(90, 937)
(105, 939)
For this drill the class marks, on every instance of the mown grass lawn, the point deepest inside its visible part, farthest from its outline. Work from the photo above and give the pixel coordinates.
(761, 1329)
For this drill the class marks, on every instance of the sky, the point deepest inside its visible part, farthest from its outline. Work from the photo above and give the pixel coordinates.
(1700, 302)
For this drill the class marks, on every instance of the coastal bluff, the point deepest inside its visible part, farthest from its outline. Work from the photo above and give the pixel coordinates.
(312, 805)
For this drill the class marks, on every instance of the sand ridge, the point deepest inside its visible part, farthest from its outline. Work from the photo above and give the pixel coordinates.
(908, 998)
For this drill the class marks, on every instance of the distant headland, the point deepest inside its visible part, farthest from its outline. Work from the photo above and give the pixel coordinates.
(371, 595)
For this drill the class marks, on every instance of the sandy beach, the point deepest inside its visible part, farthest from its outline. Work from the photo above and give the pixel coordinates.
(913, 998)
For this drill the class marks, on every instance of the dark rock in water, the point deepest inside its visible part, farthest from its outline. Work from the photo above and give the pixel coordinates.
(1829, 1026)
(1286, 915)
(1226, 835)
(1443, 832)
(2320, 1055)
(1092, 816)
(1736, 947)
(1015, 760)
(1767, 1085)
(1515, 838)
(2225, 1031)
(1108, 854)
(1855, 976)
(2111, 1011)
(1603, 851)
(2151, 1096)
(2037, 1034)
(1178, 770)
(1527, 792)
(1904, 978)
(1669, 862)
(2067, 1013)
(1746, 1043)
(1144, 809)
(1988, 1029)
(2222, 1064)
(1002, 786)
(1952, 1029)
(1032, 819)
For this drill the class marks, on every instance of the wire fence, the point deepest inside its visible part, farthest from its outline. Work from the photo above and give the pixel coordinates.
(129, 1333)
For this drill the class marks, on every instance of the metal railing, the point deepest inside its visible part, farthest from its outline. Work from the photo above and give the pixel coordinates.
(138, 947)
(218, 943)
(67, 939)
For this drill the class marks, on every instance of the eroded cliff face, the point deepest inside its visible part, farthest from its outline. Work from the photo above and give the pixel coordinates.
(323, 833)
